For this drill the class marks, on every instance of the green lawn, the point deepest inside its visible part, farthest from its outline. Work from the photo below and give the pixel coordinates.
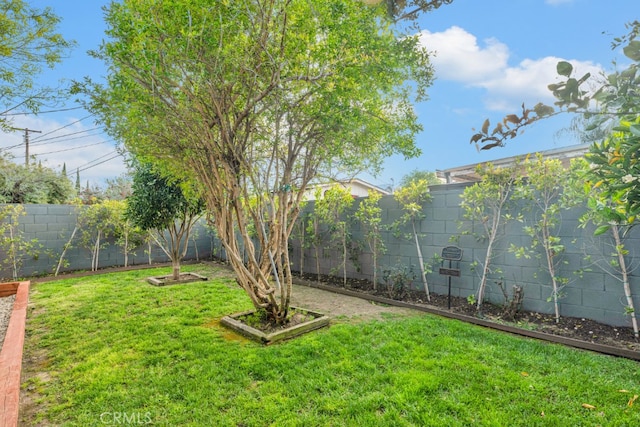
(114, 350)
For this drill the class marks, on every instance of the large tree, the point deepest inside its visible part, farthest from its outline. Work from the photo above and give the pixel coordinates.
(252, 99)
(29, 41)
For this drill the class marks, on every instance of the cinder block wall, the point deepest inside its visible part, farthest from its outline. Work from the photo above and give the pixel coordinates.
(595, 295)
(52, 226)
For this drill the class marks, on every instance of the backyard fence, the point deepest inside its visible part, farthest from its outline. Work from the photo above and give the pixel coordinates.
(593, 294)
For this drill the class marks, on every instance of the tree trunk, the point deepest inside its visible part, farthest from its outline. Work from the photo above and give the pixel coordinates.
(625, 278)
(423, 274)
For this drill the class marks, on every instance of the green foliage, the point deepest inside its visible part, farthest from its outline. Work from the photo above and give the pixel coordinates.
(28, 42)
(33, 184)
(398, 280)
(13, 245)
(156, 202)
(609, 211)
(332, 210)
(96, 223)
(541, 192)
(369, 214)
(253, 99)
(417, 175)
(487, 204)
(162, 208)
(412, 198)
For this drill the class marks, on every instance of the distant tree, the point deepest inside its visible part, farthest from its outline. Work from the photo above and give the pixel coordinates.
(119, 188)
(166, 210)
(416, 175)
(33, 184)
(29, 42)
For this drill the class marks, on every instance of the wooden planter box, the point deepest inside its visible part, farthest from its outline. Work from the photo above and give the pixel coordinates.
(184, 278)
(319, 321)
(11, 354)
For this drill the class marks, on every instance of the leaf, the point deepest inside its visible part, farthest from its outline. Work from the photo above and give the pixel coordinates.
(633, 399)
(485, 126)
(587, 406)
(564, 68)
(524, 374)
(601, 230)
(632, 51)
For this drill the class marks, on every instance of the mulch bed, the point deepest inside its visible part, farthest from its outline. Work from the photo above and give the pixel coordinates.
(581, 329)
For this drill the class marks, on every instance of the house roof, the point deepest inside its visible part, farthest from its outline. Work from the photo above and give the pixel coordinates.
(468, 173)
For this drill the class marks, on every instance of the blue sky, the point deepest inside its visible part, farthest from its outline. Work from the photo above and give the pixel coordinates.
(490, 57)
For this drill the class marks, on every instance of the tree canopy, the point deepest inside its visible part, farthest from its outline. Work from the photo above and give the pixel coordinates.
(33, 184)
(252, 100)
(29, 41)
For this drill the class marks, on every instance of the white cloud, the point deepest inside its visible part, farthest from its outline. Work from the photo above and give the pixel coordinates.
(460, 58)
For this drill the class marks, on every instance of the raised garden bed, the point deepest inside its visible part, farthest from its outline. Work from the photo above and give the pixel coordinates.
(11, 353)
(301, 322)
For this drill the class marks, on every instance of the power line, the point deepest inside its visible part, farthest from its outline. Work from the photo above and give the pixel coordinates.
(104, 161)
(70, 149)
(44, 112)
(40, 141)
(65, 126)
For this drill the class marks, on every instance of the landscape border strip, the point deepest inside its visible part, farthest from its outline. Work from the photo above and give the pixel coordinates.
(571, 342)
(11, 357)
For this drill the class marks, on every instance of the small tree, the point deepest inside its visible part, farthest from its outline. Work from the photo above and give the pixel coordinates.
(12, 243)
(331, 208)
(166, 210)
(610, 185)
(541, 191)
(369, 214)
(96, 224)
(412, 198)
(487, 203)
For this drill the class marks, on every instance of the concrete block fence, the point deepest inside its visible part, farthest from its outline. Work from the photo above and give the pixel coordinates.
(52, 226)
(594, 294)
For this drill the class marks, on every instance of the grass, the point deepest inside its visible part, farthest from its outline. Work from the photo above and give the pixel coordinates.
(117, 350)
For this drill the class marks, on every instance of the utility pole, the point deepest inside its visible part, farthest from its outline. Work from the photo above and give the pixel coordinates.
(26, 142)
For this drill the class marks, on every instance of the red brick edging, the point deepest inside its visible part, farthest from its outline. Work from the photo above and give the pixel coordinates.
(11, 354)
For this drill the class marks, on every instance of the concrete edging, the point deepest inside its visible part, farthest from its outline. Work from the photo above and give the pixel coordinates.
(11, 354)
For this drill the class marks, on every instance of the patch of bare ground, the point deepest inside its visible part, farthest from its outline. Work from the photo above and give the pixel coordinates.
(581, 329)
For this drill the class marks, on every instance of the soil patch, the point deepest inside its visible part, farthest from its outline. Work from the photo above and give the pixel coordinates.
(576, 328)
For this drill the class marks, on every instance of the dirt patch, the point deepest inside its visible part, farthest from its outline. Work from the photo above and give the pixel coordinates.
(580, 329)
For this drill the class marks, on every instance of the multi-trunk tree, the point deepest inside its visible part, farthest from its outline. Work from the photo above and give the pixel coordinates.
(253, 99)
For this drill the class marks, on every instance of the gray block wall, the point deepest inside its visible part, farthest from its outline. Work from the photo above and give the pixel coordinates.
(52, 226)
(594, 294)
